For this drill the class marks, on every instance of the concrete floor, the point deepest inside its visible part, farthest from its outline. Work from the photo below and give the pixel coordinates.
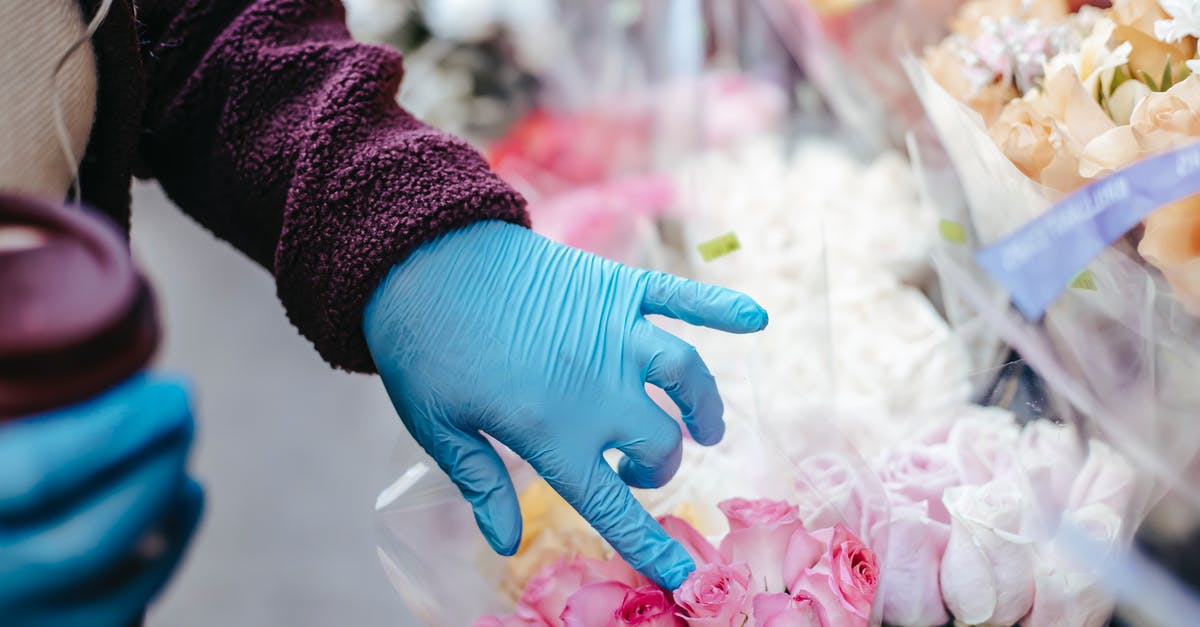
(291, 452)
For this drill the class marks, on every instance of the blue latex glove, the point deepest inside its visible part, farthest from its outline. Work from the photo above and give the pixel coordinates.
(495, 329)
(95, 506)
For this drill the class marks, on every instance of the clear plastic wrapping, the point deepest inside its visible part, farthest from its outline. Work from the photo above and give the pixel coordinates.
(1117, 344)
(848, 50)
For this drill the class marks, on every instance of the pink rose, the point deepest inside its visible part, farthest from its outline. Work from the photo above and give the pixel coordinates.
(714, 594)
(981, 444)
(920, 474)
(614, 604)
(803, 552)
(546, 594)
(855, 571)
(822, 587)
(745, 513)
(701, 550)
(831, 491)
(760, 531)
(844, 581)
(1106, 477)
(915, 544)
(1050, 456)
(987, 568)
(776, 609)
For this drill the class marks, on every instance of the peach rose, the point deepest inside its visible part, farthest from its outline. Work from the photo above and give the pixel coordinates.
(1135, 24)
(1070, 103)
(1167, 120)
(1158, 122)
(1028, 137)
(946, 67)
(1045, 133)
(1171, 243)
(1124, 99)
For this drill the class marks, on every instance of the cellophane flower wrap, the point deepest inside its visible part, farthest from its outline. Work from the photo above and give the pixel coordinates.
(848, 50)
(1048, 112)
(865, 394)
(781, 535)
(621, 93)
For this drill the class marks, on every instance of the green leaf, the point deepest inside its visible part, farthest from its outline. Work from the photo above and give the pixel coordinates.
(1149, 81)
(1118, 79)
(1168, 77)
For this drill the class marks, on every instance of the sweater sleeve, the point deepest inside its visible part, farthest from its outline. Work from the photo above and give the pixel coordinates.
(269, 125)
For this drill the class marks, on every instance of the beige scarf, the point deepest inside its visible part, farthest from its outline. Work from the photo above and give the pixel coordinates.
(35, 35)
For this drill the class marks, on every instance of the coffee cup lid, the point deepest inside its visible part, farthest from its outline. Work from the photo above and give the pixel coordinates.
(75, 316)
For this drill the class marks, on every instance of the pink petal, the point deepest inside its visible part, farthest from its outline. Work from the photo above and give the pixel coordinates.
(768, 604)
(834, 613)
(797, 617)
(911, 593)
(594, 605)
(781, 610)
(802, 553)
(701, 550)
(763, 549)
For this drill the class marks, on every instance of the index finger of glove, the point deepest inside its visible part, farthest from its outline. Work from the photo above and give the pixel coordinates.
(599, 495)
(701, 304)
(51, 457)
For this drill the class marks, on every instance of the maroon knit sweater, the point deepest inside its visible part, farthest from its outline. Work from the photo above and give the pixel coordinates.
(270, 126)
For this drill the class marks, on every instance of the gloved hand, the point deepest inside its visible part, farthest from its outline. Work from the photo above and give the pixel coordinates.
(495, 329)
(95, 506)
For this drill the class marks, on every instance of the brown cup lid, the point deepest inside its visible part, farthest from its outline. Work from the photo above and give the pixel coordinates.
(75, 316)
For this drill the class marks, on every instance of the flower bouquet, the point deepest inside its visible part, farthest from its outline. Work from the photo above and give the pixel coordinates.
(1070, 129)
(766, 561)
(768, 570)
(864, 392)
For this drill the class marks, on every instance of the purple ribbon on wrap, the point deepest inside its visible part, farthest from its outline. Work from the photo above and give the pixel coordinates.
(1038, 261)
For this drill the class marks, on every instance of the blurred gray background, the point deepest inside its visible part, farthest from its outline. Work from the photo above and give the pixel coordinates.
(291, 452)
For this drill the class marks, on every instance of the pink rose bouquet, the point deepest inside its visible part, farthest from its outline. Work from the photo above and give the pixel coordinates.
(769, 571)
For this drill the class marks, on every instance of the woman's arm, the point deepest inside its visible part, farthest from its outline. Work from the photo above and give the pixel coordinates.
(269, 125)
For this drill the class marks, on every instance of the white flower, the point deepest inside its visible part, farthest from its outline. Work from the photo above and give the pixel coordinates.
(1185, 20)
(1094, 62)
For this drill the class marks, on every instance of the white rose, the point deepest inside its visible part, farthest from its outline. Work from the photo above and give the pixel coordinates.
(987, 571)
